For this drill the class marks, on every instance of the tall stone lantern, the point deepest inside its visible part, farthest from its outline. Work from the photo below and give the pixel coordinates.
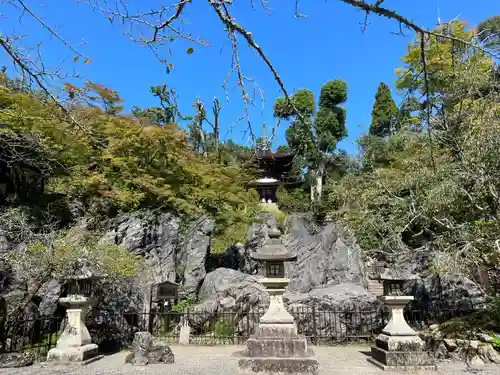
(75, 344)
(399, 346)
(276, 345)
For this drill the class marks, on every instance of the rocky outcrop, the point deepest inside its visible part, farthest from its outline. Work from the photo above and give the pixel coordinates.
(195, 251)
(155, 236)
(227, 290)
(324, 257)
(336, 311)
(147, 350)
(476, 350)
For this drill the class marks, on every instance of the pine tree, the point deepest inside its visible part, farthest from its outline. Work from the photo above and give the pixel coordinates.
(384, 113)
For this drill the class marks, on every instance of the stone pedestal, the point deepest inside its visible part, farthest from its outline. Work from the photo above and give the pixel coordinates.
(399, 346)
(74, 345)
(276, 346)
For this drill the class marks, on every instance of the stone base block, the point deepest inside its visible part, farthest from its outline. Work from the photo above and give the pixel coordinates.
(277, 347)
(276, 330)
(386, 359)
(294, 365)
(400, 343)
(80, 355)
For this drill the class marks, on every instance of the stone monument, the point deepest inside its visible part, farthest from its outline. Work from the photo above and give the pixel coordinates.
(276, 345)
(75, 344)
(399, 346)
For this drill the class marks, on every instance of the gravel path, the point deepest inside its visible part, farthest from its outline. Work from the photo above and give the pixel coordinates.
(218, 360)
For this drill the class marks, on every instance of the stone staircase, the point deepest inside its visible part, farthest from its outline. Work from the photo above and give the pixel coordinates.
(373, 284)
(375, 287)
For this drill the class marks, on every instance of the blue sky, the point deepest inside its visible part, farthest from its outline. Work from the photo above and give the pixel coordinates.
(307, 52)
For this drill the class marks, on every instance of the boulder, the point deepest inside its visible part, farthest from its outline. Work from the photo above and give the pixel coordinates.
(484, 337)
(233, 289)
(150, 234)
(195, 251)
(227, 290)
(352, 308)
(49, 294)
(147, 350)
(326, 256)
(451, 344)
(8, 360)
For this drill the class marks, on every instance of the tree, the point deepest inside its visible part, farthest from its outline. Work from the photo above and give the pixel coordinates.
(384, 113)
(197, 134)
(434, 78)
(157, 27)
(488, 32)
(166, 113)
(314, 135)
(445, 208)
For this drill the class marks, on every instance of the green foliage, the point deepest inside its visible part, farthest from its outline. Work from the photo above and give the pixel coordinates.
(223, 240)
(325, 129)
(279, 215)
(297, 200)
(59, 252)
(488, 32)
(166, 113)
(486, 320)
(184, 304)
(139, 166)
(223, 328)
(410, 195)
(384, 113)
(314, 135)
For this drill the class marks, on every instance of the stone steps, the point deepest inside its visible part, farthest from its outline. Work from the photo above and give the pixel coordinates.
(375, 287)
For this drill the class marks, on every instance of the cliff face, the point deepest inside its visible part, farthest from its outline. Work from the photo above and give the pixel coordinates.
(329, 271)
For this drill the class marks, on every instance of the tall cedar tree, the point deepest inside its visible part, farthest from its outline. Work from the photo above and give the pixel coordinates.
(384, 113)
(314, 134)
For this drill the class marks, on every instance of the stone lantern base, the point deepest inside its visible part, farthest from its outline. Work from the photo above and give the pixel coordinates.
(399, 346)
(81, 355)
(74, 345)
(276, 347)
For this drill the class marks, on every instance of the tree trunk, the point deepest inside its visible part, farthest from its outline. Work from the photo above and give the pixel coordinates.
(317, 182)
(216, 110)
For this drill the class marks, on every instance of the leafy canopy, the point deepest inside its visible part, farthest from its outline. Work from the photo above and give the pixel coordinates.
(313, 133)
(136, 165)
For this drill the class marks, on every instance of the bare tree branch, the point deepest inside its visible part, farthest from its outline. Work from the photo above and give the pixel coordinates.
(392, 14)
(38, 78)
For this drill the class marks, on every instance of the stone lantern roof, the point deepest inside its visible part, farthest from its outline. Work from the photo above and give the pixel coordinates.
(274, 249)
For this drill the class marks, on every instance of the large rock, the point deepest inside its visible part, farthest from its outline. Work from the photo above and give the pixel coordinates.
(195, 250)
(147, 350)
(222, 284)
(9, 360)
(228, 290)
(49, 294)
(431, 291)
(152, 235)
(324, 257)
(336, 311)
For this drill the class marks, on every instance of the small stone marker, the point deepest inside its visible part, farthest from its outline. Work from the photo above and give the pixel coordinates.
(185, 333)
(147, 350)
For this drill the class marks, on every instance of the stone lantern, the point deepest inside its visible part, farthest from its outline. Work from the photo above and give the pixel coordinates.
(399, 346)
(74, 344)
(276, 345)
